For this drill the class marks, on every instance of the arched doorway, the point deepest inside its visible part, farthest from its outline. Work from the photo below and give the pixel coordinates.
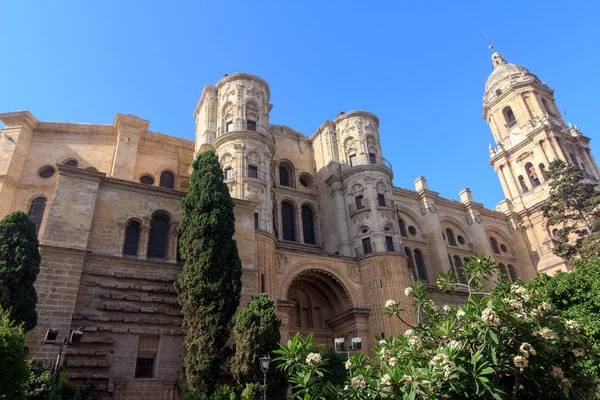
(320, 304)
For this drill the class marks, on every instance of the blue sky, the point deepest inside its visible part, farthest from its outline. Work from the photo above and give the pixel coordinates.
(420, 66)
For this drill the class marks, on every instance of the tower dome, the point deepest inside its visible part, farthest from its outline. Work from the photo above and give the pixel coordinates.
(506, 73)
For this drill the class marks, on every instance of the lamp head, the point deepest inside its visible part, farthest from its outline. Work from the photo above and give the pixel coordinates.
(76, 336)
(51, 335)
(265, 361)
(339, 344)
(356, 343)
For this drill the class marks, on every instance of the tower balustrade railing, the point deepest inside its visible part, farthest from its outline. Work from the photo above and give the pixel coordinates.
(359, 161)
(244, 126)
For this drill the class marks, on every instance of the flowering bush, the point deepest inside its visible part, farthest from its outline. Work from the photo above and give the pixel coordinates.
(503, 344)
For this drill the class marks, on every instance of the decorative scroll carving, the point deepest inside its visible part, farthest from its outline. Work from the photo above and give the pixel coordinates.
(282, 260)
(354, 272)
(477, 218)
(428, 207)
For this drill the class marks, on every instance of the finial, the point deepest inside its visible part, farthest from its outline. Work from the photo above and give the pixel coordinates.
(490, 44)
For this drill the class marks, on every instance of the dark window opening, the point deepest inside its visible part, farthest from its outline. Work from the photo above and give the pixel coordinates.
(353, 160)
(512, 273)
(402, 225)
(132, 239)
(509, 115)
(284, 176)
(420, 263)
(494, 244)
(531, 173)
(256, 221)
(450, 237)
(458, 269)
(460, 239)
(366, 245)
(412, 230)
(288, 221)
(543, 171)
(159, 237)
(389, 243)
(360, 202)
(502, 271)
(522, 183)
(147, 180)
(167, 180)
(252, 172)
(251, 126)
(503, 248)
(71, 163)
(308, 225)
(381, 200)
(144, 368)
(262, 283)
(229, 127)
(36, 211)
(372, 158)
(47, 172)
(228, 173)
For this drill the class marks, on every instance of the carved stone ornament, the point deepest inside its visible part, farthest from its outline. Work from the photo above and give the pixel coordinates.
(431, 207)
(387, 215)
(239, 146)
(523, 156)
(253, 158)
(282, 260)
(477, 218)
(380, 187)
(251, 91)
(356, 188)
(354, 272)
(253, 188)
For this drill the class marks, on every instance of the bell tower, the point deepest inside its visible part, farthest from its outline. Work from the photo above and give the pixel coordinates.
(529, 132)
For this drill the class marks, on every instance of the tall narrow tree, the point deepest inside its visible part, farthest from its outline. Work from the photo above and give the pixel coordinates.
(209, 285)
(19, 267)
(573, 206)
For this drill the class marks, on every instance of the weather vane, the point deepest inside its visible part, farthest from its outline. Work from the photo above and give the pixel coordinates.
(490, 44)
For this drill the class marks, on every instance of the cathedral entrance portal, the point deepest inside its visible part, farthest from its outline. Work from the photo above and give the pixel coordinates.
(318, 303)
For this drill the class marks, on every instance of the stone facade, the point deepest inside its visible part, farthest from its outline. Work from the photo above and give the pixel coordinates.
(319, 225)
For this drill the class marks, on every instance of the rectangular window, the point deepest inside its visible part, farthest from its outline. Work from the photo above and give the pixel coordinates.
(147, 351)
(229, 127)
(366, 243)
(251, 126)
(360, 202)
(256, 221)
(381, 200)
(228, 173)
(389, 243)
(372, 158)
(262, 283)
(353, 160)
(253, 172)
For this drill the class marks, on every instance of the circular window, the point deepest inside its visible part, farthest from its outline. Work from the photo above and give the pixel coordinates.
(147, 180)
(46, 172)
(365, 230)
(71, 163)
(412, 230)
(503, 248)
(460, 239)
(306, 180)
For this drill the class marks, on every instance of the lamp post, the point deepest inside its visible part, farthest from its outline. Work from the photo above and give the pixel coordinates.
(264, 364)
(51, 335)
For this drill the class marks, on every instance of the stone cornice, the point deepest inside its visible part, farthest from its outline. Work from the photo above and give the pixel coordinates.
(7, 180)
(244, 76)
(65, 170)
(130, 121)
(243, 135)
(142, 188)
(514, 89)
(356, 113)
(18, 118)
(166, 140)
(71, 128)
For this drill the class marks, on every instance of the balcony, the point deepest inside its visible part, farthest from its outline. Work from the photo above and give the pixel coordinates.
(244, 126)
(255, 174)
(359, 161)
(262, 225)
(387, 203)
(390, 247)
(357, 207)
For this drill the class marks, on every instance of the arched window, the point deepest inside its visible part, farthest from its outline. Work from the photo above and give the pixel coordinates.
(458, 269)
(522, 183)
(167, 180)
(288, 221)
(36, 211)
(147, 180)
(494, 244)
(512, 274)
(308, 225)
(543, 171)
(286, 174)
(420, 264)
(132, 238)
(531, 173)
(402, 225)
(509, 116)
(502, 270)
(450, 237)
(159, 236)
(71, 163)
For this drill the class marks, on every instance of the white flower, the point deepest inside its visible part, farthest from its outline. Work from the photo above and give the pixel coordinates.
(527, 349)
(385, 379)
(490, 317)
(446, 308)
(454, 344)
(390, 303)
(516, 304)
(425, 382)
(393, 361)
(358, 382)
(382, 341)
(346, 388)
(460, 314)
(536, 313)
(572, 325)
(348, 364)
(385, 353)
(408, 291)
(557, 373)
(546, 333)
(409, 332)
(439, 359)
(545, 306)
(520, 362)
(414, 341)
(578, 352)
(313, 359)
(408, 378)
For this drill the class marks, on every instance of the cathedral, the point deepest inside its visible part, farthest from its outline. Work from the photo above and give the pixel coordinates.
(319, 225)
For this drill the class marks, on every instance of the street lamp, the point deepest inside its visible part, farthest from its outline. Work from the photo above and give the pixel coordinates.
(51, 335)
(264, 364)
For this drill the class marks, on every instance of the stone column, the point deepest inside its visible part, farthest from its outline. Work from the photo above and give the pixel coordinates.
(144, 238)
(173, 242)
(591, 162)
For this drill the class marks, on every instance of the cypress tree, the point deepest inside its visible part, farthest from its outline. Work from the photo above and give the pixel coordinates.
(19, 267)
(257, 334)
(209, 285)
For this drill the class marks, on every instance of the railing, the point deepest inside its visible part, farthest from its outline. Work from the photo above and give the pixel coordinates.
(511, 123)
(358, 161)
(262, 225)
(254, 173)
(394, 247)
(362, 251)
(246, 126)
(354, 208)
(385, 203)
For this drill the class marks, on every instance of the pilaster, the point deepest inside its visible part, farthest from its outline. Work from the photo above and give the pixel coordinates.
(129, 130)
